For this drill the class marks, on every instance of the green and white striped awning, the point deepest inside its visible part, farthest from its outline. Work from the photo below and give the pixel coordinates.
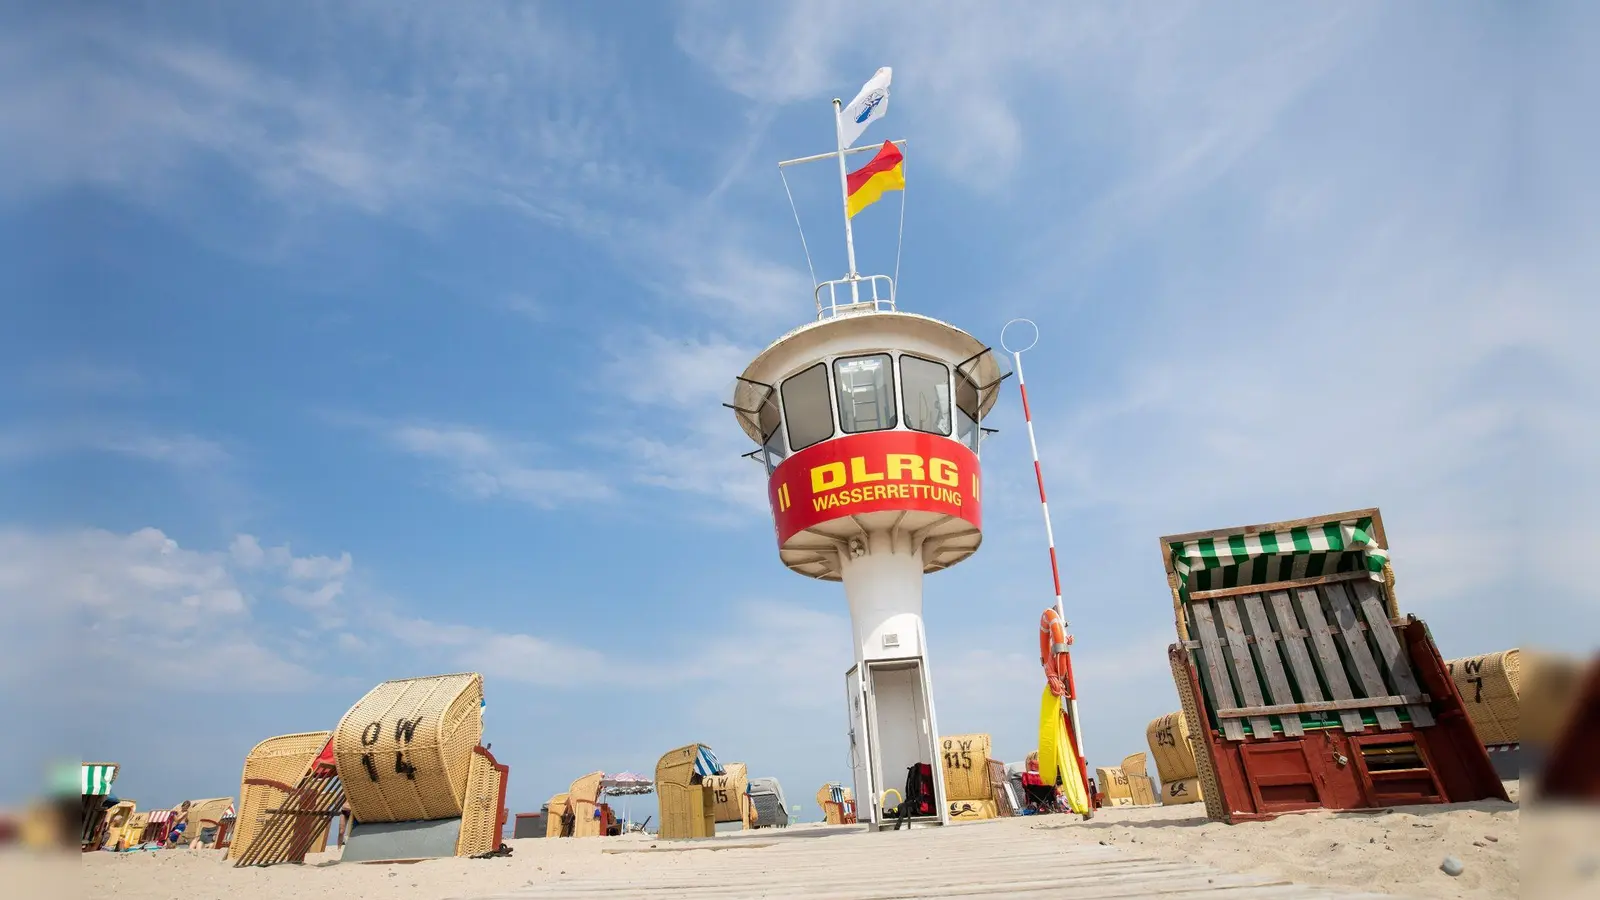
(97, 778)
(1210, 563)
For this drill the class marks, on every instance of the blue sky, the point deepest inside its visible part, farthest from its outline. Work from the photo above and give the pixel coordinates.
(358, 341)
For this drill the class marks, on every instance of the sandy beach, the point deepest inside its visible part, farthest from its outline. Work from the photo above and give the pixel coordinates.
(1122, 852)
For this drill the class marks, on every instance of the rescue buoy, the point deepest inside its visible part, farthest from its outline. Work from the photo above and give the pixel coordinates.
(1054, 646)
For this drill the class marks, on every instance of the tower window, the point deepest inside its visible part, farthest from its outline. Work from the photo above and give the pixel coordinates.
(925, 386)
(805, 407)
(968, 405)
(866, 392)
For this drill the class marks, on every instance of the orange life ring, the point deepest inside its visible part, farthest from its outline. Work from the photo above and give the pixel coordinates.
(1054, 654)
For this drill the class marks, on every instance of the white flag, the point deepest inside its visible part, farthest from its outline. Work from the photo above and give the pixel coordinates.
(869, 106)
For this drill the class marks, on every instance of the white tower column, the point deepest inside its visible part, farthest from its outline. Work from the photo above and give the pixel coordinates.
(882, 577)
(882, 574)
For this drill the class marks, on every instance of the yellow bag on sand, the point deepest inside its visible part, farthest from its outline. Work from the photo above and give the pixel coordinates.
(1057, 756)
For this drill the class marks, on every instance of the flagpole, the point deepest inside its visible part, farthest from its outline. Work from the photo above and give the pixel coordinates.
(844, 196)
(1069, 700)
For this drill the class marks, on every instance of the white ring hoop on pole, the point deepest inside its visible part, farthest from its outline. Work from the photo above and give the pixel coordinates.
(1016, 350)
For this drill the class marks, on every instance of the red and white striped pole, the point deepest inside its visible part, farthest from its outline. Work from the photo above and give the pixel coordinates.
(1070, 700)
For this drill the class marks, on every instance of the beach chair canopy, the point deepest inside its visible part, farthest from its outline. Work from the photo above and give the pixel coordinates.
(767, 786)
(705, 763)
(97, 778)
(1344, 542)
(625, 784)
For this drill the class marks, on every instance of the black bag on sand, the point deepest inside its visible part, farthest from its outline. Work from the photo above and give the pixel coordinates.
(919, 799)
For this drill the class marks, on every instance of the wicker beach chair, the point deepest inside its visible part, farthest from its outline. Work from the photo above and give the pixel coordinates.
(97, 778)
(837, 803)
(295, 822)
(557, 812)
(405, 748)
(115, 824)
(133, 832)
(273, 770)
(771, 809)
(1302, 685)
(583, 798)
(483, 813)
(205, 821)
(688, 810)
(730, 796)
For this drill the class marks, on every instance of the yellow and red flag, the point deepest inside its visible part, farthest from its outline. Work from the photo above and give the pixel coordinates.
(866, 184)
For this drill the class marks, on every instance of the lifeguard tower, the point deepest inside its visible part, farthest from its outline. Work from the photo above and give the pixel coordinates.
(868, 422)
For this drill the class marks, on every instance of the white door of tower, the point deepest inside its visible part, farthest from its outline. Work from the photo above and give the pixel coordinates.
(856, 700)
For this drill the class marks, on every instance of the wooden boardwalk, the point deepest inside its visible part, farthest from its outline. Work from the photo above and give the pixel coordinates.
(1004, 858)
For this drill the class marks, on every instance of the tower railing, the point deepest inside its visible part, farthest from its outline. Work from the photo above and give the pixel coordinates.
(862, 293)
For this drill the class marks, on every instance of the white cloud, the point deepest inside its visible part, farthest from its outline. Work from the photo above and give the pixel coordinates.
(86, 378)
(246, 551)
(743, 286)
(325, 574)
(140, 594)
(673, 374)
(515, 657)
(146, 102)
(319, 568)
(26, 443)
(788, 60)
(770, 655)
(450, 442)
(484, 466)
(526, 307)
(108, 577)
(320, 598)
(680, 437)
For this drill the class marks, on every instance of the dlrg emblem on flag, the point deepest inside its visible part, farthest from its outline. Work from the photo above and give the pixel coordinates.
(869, 106)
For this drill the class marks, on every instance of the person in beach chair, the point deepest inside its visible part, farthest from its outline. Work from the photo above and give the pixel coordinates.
(1038, 797)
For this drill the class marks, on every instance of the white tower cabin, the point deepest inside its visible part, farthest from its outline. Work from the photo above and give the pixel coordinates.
(869, 421)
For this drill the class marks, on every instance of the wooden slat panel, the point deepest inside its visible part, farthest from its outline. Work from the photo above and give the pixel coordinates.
(1294, 644)
(1244, 668)
(1391, 654)
(1325, 706)
(1328, 655)
(1241, 590)
(1232, 729)
(1254, 639)
(1360, 654)
(1277, 686)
